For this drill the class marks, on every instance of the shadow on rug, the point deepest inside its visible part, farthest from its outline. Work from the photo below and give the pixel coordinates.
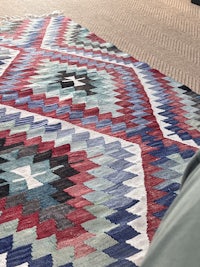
(93, 147)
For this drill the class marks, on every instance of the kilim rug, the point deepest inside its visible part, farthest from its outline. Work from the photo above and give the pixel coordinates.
(93, 146)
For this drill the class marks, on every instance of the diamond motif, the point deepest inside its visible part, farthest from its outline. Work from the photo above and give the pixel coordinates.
(92, 147)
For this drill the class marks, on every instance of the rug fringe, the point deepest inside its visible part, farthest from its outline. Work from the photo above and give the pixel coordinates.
(30, 16)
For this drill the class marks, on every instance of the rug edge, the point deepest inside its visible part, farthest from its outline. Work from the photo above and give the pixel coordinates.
(31, 16)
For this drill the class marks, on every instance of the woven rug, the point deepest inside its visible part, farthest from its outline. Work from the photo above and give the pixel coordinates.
(93, 146)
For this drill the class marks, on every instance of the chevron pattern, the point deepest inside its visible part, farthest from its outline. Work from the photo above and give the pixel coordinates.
(92, 147)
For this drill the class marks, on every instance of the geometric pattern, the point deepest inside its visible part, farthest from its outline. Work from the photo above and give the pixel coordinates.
(93, 145)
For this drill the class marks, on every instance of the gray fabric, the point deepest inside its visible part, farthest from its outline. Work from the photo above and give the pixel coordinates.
(177, 241)
(195, 161)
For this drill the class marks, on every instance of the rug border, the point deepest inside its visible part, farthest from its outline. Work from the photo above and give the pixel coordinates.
(31, 16)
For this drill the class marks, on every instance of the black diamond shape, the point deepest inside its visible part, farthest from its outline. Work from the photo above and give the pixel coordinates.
(65, 81)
